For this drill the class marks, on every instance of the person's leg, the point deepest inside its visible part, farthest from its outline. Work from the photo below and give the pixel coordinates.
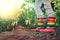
(50, 13)
(48, 8)
(39, 13)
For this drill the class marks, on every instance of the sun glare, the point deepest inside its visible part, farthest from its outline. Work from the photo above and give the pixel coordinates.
(9, 8)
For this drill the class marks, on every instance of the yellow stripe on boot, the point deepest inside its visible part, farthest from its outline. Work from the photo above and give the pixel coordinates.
(40, 23)
(51, 23)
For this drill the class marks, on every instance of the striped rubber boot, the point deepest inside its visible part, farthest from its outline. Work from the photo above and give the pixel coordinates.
(51, 22)
(40, 24)
(50, 25)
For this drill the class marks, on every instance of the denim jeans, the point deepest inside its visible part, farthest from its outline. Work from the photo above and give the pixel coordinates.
(47, 6)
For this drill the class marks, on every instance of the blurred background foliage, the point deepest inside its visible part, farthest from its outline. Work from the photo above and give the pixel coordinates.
(57, 15)
(27, 16)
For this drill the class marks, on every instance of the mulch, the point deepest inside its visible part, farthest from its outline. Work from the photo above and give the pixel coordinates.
(23, 34)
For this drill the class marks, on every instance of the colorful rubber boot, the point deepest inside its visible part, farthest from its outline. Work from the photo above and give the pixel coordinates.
(50, 25)
(40, 24)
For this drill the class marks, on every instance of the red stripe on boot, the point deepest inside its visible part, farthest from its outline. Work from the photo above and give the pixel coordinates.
(51, 18)
(41, 18)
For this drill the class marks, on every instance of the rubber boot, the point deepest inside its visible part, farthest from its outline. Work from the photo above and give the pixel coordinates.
(40, 24)
(50, 25)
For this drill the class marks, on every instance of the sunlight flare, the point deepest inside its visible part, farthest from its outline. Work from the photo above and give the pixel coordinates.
(10, 8)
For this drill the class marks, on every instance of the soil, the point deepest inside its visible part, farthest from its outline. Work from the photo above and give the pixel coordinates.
(21, 33)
